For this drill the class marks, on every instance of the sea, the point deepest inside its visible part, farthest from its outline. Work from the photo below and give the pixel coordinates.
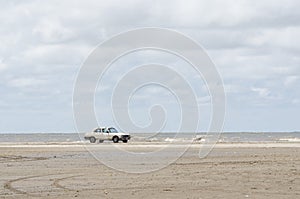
(225, 137)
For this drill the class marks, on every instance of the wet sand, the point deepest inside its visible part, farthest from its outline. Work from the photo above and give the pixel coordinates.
(230, 171)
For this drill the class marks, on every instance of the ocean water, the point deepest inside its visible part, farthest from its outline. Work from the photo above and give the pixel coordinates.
(226, 137)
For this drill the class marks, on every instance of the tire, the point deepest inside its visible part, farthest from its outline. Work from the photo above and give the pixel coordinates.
(101, 141)
(125, 141)
(115, 139)
(92, 139)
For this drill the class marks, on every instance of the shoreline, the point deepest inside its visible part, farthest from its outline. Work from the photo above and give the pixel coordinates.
(148, 145)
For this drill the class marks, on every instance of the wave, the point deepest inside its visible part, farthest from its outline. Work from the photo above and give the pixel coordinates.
(289, 139)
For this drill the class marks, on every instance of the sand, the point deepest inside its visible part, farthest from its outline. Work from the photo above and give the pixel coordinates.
(230, 171)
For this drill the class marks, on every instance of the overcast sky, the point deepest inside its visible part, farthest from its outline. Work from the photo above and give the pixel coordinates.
(254, 44)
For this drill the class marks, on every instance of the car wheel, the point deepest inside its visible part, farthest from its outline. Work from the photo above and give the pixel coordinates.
(92, 139)
(115, 139)
(125, 141)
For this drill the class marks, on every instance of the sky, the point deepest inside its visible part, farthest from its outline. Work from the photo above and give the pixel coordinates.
(255, 46)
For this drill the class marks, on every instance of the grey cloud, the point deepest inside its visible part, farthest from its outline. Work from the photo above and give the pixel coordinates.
(255, 45)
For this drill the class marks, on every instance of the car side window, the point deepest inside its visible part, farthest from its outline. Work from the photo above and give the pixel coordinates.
(97, 131)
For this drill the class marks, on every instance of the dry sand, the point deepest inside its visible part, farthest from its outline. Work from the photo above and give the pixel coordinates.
(230, 171)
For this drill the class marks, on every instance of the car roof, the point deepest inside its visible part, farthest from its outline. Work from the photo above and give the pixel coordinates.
(99, 128)
(104, 128)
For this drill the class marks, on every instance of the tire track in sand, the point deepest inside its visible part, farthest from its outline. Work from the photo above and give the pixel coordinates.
(9, 184)
(57, 181)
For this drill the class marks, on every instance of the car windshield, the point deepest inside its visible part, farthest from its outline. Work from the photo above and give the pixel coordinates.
(113, 130)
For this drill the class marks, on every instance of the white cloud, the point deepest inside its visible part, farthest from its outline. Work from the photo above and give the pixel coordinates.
(291, 81)
(262, 92)
(25, 82)
(3, 66)
(52, 31)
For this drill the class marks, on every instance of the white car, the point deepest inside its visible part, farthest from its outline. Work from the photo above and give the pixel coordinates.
(106, 133)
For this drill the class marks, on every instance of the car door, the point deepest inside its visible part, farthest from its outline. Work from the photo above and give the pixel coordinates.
(104, 134)
(98, 133)
(108, 135)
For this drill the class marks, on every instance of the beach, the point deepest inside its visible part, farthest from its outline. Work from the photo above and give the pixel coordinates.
(245, 170)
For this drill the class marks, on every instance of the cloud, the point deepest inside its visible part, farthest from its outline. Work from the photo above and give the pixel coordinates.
(254, 44)
(52, 31)
(262, 92)
(291, 81)
(2, 66)
(24, 82)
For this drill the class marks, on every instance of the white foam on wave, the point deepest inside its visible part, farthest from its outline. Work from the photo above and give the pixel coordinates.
(290, 139)
(176, 140)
